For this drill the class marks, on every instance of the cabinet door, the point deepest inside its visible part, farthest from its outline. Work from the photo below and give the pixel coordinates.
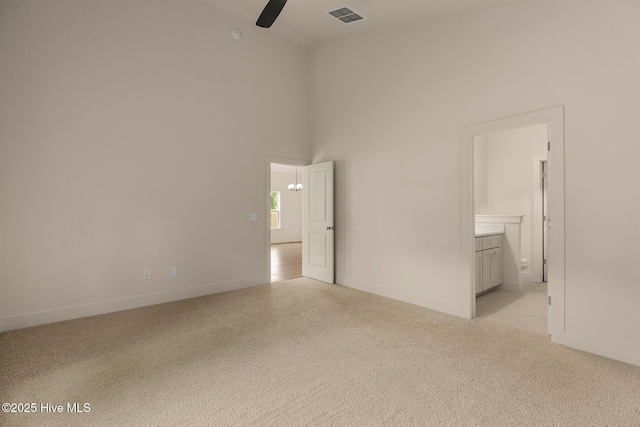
(491, 268)
(478, 272)
(486, 270)
(496, 267)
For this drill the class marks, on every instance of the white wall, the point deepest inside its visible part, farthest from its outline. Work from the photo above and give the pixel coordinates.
(121, 124)
(480, 196)
(290, 204)
(389, 107)
(506, 158)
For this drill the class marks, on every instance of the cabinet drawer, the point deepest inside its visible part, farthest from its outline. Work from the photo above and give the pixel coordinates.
(478, 244)
(491, 242)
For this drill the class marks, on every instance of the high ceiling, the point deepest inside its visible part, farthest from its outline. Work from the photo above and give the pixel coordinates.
(307, 21)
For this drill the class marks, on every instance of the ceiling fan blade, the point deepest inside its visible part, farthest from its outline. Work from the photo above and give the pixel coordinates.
(270, 13)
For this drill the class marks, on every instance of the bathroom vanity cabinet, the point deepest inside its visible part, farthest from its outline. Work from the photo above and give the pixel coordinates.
(488, 262)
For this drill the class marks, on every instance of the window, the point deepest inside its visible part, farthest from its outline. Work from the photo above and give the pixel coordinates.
(275, 210)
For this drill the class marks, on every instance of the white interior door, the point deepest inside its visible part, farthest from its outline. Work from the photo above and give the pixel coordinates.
(545, 236)
(545, 227)
(317, 222)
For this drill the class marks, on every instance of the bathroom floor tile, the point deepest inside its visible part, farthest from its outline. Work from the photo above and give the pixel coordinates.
(525, 310)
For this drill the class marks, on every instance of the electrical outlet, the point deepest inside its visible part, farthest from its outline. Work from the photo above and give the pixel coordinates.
(174, 271)
(376, 266)
(146, 274)
(253, 217)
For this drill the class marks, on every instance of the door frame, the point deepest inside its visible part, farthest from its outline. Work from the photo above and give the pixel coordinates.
(537, 258)
(267, 194)
(554, 117)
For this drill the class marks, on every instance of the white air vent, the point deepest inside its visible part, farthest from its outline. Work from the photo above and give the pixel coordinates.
(346, 15)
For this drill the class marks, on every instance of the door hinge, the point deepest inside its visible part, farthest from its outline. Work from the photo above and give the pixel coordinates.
(549, 299)
(544, 262)
(548, 145)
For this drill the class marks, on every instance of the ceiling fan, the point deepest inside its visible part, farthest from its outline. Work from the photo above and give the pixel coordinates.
(270, 13)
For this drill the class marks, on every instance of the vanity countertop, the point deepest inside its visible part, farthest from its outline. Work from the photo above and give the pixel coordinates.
(483, 229)
(487, 233)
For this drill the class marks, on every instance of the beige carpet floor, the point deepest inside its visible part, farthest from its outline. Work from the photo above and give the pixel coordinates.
(301, 352)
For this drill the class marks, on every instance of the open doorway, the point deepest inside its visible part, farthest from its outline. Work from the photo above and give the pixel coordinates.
(508, 290)
(554, 118)
(317, 222)
(285, 222)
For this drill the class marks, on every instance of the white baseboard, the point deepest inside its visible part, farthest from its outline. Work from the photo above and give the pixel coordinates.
(611, 349)
(448, 307)
(526, 277)
(93, 309)
(510, 287)
(275, 242)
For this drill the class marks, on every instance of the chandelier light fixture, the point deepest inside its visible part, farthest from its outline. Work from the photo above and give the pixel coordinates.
(296, 186)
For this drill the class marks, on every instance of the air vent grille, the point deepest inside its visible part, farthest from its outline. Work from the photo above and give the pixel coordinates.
(346, 15)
